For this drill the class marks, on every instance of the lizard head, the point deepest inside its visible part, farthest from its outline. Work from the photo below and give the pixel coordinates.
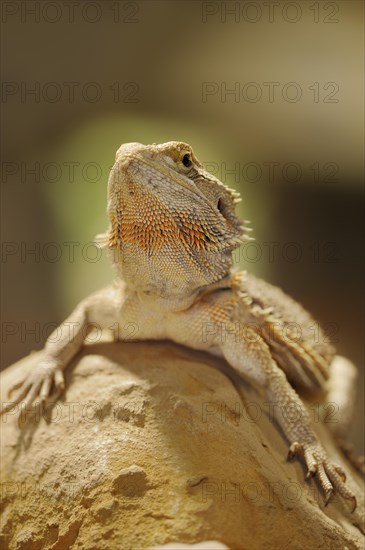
(171, 222)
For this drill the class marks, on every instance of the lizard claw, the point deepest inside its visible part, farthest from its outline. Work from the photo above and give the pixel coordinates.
(311, 472)
(38, 384)
(331, 477)
(328, 497)
(294, 449)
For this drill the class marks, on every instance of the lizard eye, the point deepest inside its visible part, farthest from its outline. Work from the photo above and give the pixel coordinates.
(186, 160)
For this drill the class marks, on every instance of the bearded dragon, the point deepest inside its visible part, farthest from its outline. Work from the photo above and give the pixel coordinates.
(172, 231)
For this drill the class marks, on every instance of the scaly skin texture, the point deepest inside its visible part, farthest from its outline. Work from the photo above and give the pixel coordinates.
(171, 235)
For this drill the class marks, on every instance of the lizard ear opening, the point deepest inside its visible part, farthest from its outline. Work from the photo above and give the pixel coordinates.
(221, 207)
(186, 160)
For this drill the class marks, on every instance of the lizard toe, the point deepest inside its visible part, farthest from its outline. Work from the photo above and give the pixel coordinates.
(331, 477)
(32, 394)
(23, 389)
(338, 482)
(14, 388)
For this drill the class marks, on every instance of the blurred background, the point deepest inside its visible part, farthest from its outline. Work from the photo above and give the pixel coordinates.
(270, 96)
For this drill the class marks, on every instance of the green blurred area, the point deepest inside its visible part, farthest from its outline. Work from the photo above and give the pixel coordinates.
(79, 207)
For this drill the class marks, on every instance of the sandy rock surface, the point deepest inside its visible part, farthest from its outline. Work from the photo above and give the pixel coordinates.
(152, 445)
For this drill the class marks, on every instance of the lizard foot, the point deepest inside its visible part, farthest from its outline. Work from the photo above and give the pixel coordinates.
(331, 477)
(38, 384)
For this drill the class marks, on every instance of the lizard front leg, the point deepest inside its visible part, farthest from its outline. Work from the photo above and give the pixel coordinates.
(99, 309)
(251, 357)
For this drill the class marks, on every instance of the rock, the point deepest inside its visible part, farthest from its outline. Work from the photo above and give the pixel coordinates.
(130, 481)
(207, 545)
(154, 445)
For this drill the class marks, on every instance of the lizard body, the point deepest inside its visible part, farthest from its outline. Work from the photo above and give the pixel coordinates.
(171, 235)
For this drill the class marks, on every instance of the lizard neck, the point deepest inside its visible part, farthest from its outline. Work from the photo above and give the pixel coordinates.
(156, 300)
(171, 279)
